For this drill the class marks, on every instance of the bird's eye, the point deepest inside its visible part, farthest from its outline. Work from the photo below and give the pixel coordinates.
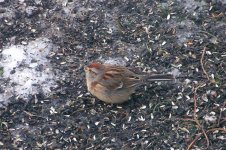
(91, 71)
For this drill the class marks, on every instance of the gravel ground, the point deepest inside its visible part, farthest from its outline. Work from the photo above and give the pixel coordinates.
(187, 35)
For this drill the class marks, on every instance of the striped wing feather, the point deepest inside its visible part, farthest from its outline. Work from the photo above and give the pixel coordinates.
(117, 77)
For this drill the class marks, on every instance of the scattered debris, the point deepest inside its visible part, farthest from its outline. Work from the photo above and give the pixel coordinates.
(44, 46)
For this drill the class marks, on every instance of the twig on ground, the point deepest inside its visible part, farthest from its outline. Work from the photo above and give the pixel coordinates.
(202, 64)
(214, 129)
(217, 15)
(199, 125)
(195, 106)
(197, 121)
(204, 132)
(200, 134)
(219, 119)
(196, 138)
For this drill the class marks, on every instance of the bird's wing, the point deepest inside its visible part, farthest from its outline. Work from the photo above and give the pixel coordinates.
(116, 79)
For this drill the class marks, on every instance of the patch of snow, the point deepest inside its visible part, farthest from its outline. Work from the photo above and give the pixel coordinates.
(114, 61)
(27, 70)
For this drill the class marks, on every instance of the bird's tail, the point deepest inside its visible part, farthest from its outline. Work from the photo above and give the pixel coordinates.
(160, 77)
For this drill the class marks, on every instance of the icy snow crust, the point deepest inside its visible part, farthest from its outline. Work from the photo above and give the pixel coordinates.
(27, 70)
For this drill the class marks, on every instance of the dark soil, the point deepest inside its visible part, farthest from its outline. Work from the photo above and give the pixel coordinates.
(161, 35)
